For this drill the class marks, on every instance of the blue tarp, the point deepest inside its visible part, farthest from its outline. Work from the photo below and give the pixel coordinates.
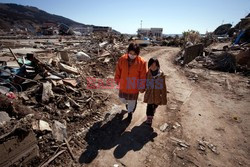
(237, 40)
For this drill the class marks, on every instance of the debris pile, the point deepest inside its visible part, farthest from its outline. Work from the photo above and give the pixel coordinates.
(175, 41)
(45, 103)
(229, 59)
(234, 57)
(241, 32)
(190, 53)
(222, 29)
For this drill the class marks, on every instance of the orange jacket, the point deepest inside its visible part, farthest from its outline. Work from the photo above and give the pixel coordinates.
(131, 79)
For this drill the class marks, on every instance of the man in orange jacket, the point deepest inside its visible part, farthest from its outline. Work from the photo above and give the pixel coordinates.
(130, 75)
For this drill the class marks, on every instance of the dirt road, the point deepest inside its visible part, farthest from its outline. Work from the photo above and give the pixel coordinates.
(207, 123)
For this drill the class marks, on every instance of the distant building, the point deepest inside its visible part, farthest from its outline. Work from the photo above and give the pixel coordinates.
(48, 25)
(84, 29)
(48, 29)
(150, 32)
(102, 29)
(94, 29)
(116, 32)
(145, 32)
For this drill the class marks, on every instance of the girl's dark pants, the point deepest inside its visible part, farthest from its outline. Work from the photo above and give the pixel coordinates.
(151, 109)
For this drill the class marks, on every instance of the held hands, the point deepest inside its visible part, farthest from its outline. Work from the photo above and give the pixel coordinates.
(142, 90)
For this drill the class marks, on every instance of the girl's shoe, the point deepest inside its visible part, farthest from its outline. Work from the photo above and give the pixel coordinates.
(130, 116)
(149, 120)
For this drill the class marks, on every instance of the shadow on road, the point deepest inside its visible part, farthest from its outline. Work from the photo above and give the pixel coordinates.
(106, 136)
(134, 140)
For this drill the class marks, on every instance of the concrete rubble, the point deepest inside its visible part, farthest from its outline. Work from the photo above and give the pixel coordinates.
(180, 142)
(203, 145)
(59, 131)
(164, 127)
(41, 125)
(4, 117)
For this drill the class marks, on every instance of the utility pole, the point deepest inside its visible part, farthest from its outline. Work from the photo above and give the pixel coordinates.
(141, 24)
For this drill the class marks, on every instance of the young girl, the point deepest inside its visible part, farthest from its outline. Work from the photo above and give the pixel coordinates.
(156, 91)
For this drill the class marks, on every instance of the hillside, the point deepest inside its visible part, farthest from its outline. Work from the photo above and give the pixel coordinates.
(19, 16)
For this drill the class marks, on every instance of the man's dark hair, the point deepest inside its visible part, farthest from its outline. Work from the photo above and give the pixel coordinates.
(134, 47)
(153, 60)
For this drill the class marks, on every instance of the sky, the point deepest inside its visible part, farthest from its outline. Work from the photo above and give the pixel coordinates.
(174, 16)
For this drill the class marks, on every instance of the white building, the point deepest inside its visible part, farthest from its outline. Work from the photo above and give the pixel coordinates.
(150, 32)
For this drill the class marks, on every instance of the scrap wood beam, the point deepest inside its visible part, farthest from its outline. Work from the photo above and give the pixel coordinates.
(70, 150)
(14, 57)
(52, 158)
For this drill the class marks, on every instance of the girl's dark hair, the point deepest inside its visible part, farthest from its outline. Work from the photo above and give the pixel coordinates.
(153, 60)
(134, 47)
